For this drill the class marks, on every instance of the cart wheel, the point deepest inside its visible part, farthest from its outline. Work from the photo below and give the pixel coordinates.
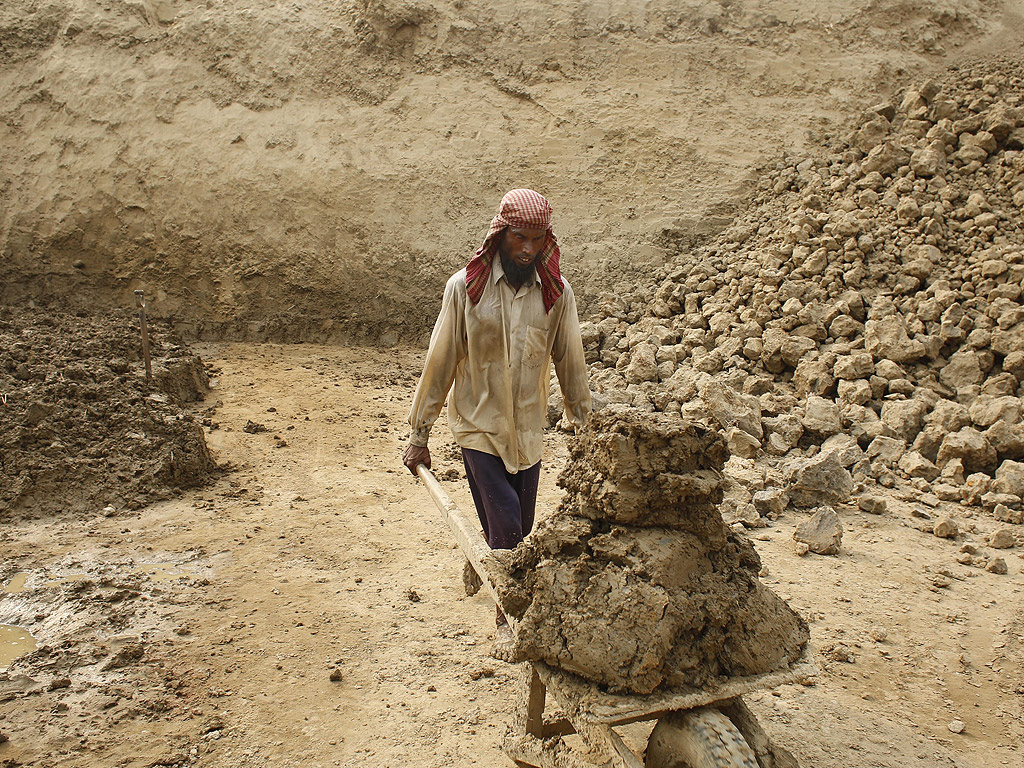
(698, 738)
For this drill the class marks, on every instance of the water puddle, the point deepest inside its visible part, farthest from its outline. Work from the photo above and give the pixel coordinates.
(66, 579)
(17, 584)
(14, 643)
(154, 571)
(162, 571)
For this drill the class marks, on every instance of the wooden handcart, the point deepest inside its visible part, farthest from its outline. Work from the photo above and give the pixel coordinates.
(707, 727)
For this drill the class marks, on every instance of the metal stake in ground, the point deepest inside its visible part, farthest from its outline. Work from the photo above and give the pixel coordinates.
(141, 304)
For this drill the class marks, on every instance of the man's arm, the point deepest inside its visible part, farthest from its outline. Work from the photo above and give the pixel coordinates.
(447, 347)
(570, 365)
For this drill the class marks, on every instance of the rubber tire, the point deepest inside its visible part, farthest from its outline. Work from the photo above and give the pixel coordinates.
(698, 738)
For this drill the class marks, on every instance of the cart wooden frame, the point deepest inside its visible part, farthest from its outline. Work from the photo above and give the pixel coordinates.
(534, 739)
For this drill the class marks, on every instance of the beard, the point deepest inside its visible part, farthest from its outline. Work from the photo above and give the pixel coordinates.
(516, 274)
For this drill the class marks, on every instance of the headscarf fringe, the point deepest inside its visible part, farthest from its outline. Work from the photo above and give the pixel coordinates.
(519, 208)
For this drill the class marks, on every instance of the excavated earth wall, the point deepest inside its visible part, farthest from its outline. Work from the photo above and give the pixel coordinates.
(286, 172)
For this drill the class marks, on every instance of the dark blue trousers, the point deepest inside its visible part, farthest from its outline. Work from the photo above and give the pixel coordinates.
(505, 501)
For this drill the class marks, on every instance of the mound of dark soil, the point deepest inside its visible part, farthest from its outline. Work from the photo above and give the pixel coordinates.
(80, 429)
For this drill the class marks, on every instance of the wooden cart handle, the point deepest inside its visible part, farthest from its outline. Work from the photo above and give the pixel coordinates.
(472, 544)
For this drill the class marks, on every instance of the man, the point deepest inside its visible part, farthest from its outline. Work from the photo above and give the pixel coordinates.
(502, 321)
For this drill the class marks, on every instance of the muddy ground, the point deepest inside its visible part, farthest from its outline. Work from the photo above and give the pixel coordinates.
(206, 630)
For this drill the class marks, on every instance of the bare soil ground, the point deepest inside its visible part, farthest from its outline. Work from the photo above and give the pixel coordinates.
(206, 630)
(273, 171)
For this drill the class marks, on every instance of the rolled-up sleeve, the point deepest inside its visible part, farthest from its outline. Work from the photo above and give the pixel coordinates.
(447, 348)
(570, 364)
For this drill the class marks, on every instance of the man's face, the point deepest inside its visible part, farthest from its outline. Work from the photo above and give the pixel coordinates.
(519, 247)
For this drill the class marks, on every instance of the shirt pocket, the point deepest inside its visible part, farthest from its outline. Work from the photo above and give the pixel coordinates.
(535, 347)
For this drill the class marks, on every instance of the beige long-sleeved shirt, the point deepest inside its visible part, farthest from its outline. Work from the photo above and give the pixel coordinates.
(499, 353)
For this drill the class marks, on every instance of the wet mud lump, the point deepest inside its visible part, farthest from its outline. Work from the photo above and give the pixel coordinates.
(636, 582)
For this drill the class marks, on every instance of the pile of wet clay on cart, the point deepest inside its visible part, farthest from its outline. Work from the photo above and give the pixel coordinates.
(636, 582)
(80, 426)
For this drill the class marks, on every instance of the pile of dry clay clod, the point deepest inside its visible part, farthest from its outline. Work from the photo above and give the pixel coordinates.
(635, 582)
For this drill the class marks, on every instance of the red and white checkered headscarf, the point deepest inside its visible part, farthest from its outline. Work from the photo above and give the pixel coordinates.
(530, 210)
